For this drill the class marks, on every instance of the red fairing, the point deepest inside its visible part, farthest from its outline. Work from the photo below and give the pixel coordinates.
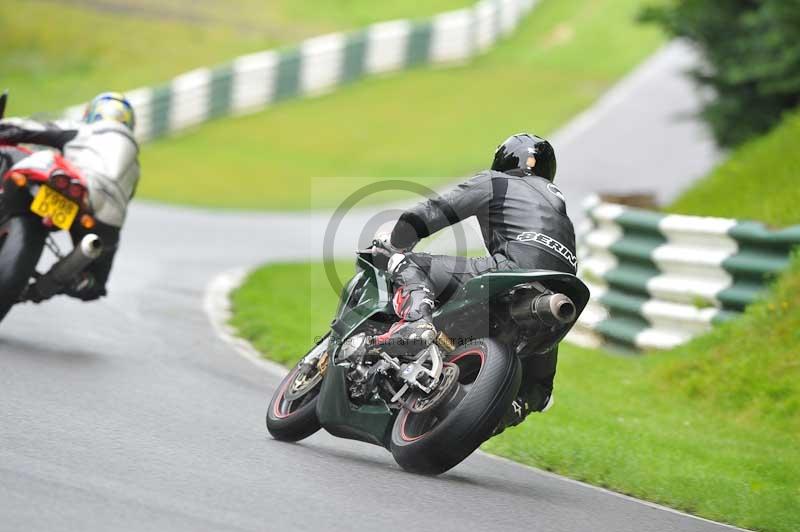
(34, 174)
(42, 174)
(65, 165)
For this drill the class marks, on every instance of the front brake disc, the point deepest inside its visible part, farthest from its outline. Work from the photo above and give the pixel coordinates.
(447, 386)
(301, 385)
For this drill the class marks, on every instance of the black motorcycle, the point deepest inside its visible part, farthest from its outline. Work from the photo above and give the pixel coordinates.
(431, 407)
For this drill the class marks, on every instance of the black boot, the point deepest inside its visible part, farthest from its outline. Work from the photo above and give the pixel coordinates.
(520, 408)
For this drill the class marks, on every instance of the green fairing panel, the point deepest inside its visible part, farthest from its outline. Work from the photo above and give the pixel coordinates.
(369, 423)
(481, 289)
(367, 293)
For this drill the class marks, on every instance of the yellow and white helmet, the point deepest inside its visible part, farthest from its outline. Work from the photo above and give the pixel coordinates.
(110, 106)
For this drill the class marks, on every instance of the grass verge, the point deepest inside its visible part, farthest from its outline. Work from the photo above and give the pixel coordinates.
(306, 302)
(427, 125)
(758, 182)
(122, 45)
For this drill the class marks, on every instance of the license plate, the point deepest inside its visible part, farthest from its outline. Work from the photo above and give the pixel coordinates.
(49, 203)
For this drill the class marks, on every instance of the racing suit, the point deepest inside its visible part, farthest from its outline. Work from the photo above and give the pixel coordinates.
(106, 154)
(524, 223)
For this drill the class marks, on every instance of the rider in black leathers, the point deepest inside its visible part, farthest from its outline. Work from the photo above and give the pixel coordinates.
(524, 222)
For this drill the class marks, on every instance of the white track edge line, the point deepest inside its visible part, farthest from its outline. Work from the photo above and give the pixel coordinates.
(216, 304)
(653, 505)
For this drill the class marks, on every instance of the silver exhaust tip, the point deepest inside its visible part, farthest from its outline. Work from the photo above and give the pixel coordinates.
(562, 308)
(91, 246)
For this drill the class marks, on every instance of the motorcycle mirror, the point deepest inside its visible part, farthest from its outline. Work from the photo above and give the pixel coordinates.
(3, 100)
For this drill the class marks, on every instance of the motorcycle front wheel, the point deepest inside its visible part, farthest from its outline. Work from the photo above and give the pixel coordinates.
(21, 243)
(434, 440)
(292, 412)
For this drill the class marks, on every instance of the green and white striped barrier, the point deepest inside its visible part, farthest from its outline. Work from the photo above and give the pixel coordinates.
(657, 280)
(318, 65)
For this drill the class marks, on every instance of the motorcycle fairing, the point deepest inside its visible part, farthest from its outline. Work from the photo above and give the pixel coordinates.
(40, 165)
(368, 293)
(370, 423)
(480, 289)
(470, 312)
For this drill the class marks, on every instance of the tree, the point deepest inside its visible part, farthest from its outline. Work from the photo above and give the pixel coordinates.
(752, 48)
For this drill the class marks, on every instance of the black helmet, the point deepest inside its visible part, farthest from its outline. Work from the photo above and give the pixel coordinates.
(525, 154)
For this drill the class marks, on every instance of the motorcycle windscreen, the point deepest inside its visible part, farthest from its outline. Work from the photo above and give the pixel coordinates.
(366, 294)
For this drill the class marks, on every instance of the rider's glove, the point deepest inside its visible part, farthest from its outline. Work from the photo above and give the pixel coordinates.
(385, 241)
(383, 250)
(86, 288)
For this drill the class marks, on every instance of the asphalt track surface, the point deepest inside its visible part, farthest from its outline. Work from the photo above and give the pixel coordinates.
(131, 414)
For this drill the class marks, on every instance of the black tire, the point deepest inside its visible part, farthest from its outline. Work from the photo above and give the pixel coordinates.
(21, 243)
(489, 377)
(294, 420)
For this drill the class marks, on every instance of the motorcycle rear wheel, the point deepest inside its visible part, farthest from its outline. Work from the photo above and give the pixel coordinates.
(434, 441)
(292, 412)
(21, 243)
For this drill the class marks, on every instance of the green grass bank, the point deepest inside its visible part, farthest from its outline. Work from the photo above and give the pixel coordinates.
(429, 125)
(759, 181)
(122, 45)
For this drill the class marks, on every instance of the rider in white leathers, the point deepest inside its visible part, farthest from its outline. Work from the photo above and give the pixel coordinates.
(103, 149)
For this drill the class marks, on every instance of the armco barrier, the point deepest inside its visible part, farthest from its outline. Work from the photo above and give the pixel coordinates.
(659, 279)
(253, 82)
